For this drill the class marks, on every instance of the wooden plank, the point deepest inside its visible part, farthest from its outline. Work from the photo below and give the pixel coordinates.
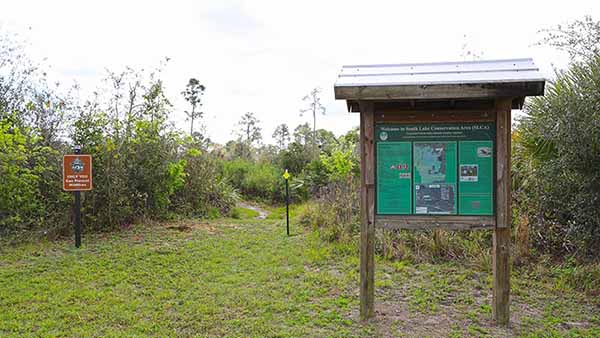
(398, 106)
(501, 237)
(416, 222)
(438, 116)
(445, 91)
(435, 105)
(367, 194)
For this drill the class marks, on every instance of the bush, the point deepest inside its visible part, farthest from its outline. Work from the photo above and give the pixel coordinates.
(30, 195)
(259, 181)
(204, 186)
(336, 212)
(556, 168)
(142, 166)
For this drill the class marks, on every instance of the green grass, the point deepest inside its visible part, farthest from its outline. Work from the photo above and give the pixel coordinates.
(244, 213)
(222, 279)
(245, 278)
(278, 212)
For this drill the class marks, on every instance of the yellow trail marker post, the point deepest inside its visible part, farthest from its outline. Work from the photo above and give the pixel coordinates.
(286, 177)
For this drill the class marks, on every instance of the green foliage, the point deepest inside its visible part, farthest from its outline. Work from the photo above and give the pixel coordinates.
(340, 164)
(205, 186)
(249, 134)
(19, 183)
(177, 175)
(142, 166)
(260, 181)
(315, 176)
(303, 135)
(26, 179)
(294, 158)
(556, 168)
(336, 212)
(282, 136)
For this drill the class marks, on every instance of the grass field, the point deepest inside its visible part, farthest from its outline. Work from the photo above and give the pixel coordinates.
(245, 278)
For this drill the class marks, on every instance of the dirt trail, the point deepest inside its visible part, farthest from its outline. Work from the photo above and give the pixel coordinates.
(262, 214)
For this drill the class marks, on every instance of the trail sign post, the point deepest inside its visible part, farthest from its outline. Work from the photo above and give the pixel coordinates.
(435, 153)
(77, 177)
(286, 177)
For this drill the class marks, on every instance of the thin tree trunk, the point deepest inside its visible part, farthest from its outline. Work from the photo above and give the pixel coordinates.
(314, 132)
(192, 120)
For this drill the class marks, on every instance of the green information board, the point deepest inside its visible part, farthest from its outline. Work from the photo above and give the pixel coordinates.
(435, 169)
(394, 166)
(476, 179)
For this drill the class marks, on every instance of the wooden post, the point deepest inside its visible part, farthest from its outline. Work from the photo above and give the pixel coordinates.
(501, 237)
(367, 209)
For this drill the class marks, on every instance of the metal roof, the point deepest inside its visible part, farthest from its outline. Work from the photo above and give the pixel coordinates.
(488, 71)
(484, 78)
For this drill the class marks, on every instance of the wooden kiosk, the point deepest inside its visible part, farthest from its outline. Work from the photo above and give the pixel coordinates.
(435, 153)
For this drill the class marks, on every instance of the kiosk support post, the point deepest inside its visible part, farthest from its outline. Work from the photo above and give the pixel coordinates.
(367, 210)
(501, 237)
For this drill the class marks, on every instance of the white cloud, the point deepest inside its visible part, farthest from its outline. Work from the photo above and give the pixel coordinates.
(264, 56)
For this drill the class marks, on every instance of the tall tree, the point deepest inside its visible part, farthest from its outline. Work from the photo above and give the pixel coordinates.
(282, 136)
(326, 140)
(302, 134)
(313, 106)
(193, 95)
(249, 132)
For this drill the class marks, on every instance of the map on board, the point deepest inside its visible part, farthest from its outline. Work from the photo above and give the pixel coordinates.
(435, 177)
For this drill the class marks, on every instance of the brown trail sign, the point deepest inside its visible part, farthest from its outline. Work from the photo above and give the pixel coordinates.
(77, 172)
(435, 153)
(77, 177)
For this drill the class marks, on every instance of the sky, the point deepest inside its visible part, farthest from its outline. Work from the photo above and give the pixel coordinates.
(265, 56)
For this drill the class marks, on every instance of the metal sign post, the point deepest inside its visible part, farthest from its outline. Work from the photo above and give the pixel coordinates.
(286, 176)
(77, 177)
(77, 209)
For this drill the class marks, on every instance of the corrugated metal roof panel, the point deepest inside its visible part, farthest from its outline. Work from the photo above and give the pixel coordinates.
(470, 72)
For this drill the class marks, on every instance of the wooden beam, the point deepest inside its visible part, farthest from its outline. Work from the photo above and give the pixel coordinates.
(501, 237)
(435, 222)
(399, 106)
(437, 116)
(445, 91)
(367, 208)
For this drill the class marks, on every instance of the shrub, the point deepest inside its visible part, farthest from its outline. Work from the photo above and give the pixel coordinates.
(336, 212)
(556, 169)
(204, 187)
(30, 195)
(142, 166)
(259, 181)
